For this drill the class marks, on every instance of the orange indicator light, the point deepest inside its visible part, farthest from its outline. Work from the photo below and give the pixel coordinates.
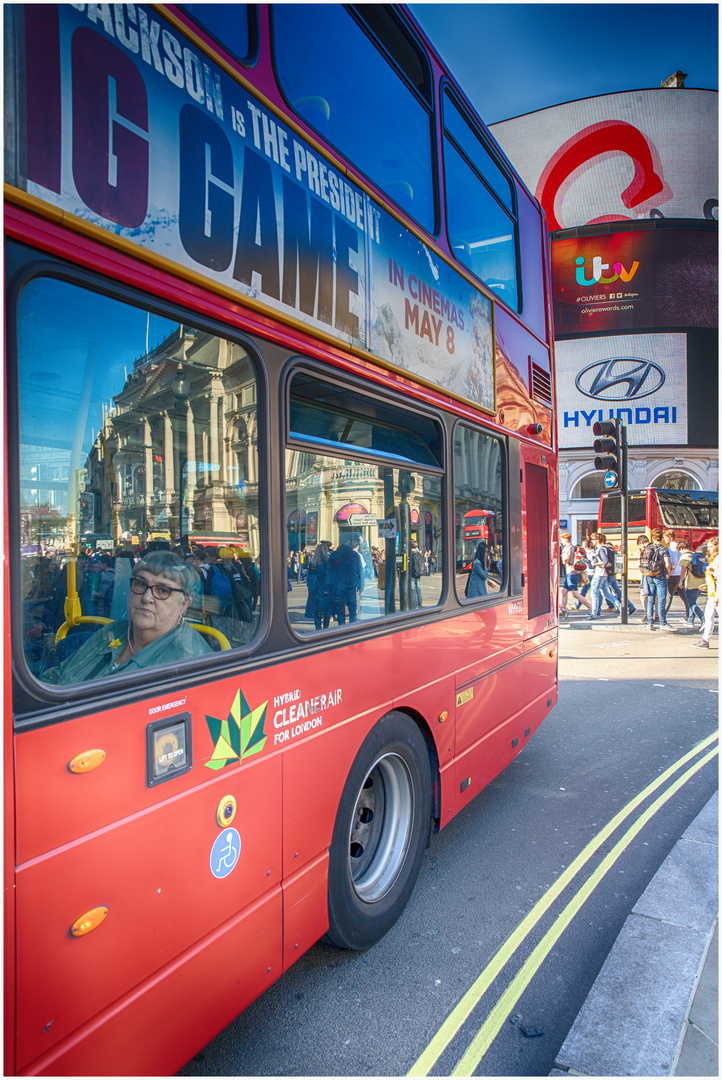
(89, 921)
(87, 761)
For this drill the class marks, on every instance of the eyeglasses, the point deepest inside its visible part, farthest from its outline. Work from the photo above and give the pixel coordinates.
(160, 592)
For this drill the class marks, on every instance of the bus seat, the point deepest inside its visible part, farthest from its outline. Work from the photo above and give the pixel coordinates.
(316, 110)
(65, 646)
(400, 191)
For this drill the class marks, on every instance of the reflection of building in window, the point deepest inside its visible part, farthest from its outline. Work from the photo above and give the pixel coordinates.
(676, 481)
(331, 499)
(177, 450)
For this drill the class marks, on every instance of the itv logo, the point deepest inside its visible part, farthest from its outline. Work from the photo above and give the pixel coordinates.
(598, 268)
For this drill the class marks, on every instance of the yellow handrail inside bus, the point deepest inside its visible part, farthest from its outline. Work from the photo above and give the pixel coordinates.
(68, 625)
(71, 609)
(209, 631)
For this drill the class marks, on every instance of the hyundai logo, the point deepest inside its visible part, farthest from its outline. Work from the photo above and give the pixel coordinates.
(620, 379)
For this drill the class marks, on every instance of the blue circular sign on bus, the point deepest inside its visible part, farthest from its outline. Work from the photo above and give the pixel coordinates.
(225, 853)
(610, 479)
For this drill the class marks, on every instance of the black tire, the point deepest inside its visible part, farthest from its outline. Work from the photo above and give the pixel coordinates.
(380, 834)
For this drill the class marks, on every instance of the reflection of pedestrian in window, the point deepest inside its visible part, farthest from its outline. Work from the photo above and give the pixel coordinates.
(417, 569)
(343, 581)
(318, 605)
(479, 571)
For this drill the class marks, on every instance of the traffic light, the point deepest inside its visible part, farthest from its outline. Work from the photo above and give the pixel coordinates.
(86, 506)
(607, 446)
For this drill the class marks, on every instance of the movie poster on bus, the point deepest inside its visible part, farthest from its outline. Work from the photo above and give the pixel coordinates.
(427, 319)
(151, 141)
(640, 379)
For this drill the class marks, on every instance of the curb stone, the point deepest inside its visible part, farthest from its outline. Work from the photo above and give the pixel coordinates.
(639, 1017)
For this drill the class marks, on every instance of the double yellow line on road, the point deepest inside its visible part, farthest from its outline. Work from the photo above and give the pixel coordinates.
(491, 1026)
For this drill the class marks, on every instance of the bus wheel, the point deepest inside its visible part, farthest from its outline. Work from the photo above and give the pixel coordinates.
(380, 833)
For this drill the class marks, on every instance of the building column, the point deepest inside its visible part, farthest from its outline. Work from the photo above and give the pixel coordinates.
(215, 462)
(189, 492)
(148, 448)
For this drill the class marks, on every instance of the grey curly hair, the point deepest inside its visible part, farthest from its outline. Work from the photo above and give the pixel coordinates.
(168, 564)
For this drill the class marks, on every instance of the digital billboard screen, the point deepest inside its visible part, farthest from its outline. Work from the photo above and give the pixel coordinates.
(635, 280)
(638, 378)
(640, 154)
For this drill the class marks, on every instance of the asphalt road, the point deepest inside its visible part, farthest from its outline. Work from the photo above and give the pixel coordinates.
(632, 705)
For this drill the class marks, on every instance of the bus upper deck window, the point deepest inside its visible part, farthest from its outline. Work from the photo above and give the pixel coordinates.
(232, 26)
(132, 427)
(480, 216)
(365, 86)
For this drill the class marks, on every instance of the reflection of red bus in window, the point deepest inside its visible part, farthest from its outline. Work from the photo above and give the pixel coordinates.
(692, 516)
(212, 289)
(478, 525)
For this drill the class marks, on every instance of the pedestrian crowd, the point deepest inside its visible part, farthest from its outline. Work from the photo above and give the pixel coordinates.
(667, 569)
(337, 577)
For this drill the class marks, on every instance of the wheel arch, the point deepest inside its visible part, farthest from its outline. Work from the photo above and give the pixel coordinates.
(425, 729)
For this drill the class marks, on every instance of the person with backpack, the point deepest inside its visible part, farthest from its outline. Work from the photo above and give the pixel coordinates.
(711, 578)
(240, 586)
(571, 566)
(417, 569)
(613, 592)
(479, 573)
(602, 562)
(654, 566)
(217, 589)
(674, 579)
(692, 566)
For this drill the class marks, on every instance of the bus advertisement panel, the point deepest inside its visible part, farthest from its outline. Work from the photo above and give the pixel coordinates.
(192, 167)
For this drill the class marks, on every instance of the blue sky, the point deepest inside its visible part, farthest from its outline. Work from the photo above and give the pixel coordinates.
(515, 58)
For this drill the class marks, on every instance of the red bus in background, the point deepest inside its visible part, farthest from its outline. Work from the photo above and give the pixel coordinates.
(692, 516)
(476, 525)
(265, 283)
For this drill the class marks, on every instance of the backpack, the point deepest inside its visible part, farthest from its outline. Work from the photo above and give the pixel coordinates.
(698, 564)
(651, 561)
(219, 584)
(606, 557)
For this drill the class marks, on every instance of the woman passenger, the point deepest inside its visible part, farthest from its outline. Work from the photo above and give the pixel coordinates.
(161, 587)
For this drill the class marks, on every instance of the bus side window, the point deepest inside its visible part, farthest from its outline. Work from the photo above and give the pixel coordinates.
(363, 538)
(479, 513)
(136, 432)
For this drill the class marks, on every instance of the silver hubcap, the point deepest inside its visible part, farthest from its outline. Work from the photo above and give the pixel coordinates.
(381, 828)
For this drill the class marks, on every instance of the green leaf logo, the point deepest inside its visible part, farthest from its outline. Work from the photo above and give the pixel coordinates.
(238, 737)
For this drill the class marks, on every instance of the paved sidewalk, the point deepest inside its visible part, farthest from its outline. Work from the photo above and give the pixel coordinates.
(653, 1010)
(610, 621)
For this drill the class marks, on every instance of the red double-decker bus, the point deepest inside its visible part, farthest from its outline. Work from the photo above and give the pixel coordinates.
(692, 516)
(277, 323)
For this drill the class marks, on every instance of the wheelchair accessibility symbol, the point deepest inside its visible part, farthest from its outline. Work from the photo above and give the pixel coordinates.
(225, 853)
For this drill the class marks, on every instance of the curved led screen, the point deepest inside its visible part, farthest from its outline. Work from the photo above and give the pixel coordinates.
(641, 154)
